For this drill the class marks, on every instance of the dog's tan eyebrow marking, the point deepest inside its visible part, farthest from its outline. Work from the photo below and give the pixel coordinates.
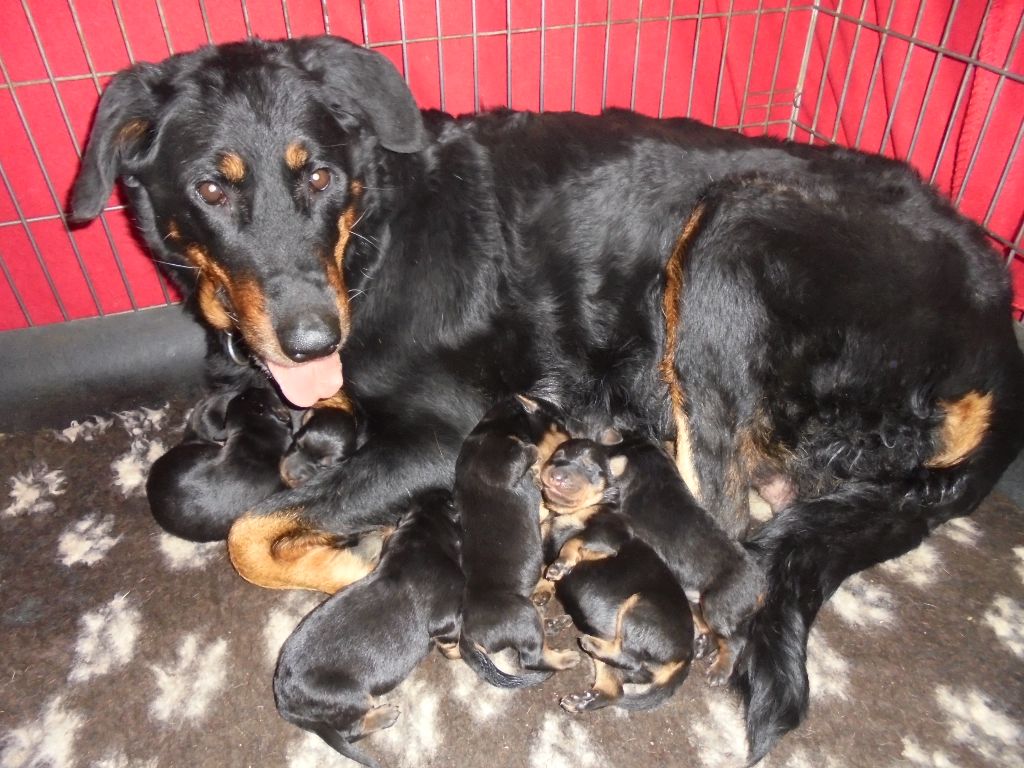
(232, 166)
(296, 156)
(964, 426)
(173, 233)
(132, 130)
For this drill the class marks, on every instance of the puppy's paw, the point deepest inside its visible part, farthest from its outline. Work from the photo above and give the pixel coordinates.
(542, 594)
(379, 718)
(557, 624)
(557, 570)
(703, 645)
(578, 702)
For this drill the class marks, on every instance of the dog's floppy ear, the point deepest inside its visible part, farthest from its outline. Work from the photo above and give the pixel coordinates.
(121, 130)
(360, 79)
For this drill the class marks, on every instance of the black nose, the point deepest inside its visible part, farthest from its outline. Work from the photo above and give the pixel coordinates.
(309, 337)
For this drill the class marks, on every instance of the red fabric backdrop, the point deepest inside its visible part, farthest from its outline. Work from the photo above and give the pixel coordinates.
(913, 81)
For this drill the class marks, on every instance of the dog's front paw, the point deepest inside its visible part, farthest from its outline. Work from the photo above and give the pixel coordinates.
(577, 703)
(557, 624)
(703, 645)
(557, 570)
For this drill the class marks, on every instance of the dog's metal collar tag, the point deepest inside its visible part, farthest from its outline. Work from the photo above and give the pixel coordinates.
(235, 349)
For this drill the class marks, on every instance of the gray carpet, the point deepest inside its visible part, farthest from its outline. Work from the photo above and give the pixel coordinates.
(123, 647)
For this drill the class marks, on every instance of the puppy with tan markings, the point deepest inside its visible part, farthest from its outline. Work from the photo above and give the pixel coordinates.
(499, 503)
(637, 621)
(721, 579)
(368, 638)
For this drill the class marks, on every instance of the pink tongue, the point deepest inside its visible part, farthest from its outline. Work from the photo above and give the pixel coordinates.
(305, 383)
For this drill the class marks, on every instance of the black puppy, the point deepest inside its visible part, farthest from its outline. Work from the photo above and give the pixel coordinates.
(617, 590)
(723, 582)
(329, 432)
(366, 639)
(499, 503)
(227, 462)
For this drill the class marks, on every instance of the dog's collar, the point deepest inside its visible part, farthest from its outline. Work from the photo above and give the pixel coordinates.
(235, 348)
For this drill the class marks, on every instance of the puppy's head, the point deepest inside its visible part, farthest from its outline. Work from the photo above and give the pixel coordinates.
(327, 436)
(579, 474)
(258, 416)
(248, 166)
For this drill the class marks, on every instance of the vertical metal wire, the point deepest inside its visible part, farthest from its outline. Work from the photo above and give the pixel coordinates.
(543, 50)
(607, 49)
(440, 54)
(664, 66)
(849, 70)
(364, 23)
(32, 242)
(824, 77)
(476, 59)
(575, 51)
(693, 62)
(14, 290)
(287, 20)
(636, 55)
(124, 31)
(989, 112)
(903, 76)
(246, 19)
(206, 21)
(103, 217)
(775, 70)
(947, 135)
(327, 17)
(1015, 246)
(801, 79)
(879, 54)
(750, 64)
(164, 27)
(405, 39)
(721, 62)
(508, 52)
(1003, 177)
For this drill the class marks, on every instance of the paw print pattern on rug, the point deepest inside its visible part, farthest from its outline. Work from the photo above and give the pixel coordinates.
(829, 673)
(976, 722)
(87, 541)
(131, 468)
(86, 430)
(1006, 618)
(564, 743)
(187, 686)
(106, 639)
(416, 737)
(32, 491)
(861, 603)
(181, 555)
(920, 566)
(47, 740)
(722, 735)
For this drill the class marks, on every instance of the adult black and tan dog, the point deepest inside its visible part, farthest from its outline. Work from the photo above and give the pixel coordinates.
(815, 323)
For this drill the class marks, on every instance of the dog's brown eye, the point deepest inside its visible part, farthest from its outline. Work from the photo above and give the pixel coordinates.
(211, 193)
(320, 179)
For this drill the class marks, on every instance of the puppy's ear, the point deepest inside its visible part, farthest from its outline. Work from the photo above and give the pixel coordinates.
(610, 436)
(123, 128)
(617, 465)
(357, 79)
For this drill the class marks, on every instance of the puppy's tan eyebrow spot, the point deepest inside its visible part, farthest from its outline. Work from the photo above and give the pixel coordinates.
(296, 156)
(232, 166)
(131, 131)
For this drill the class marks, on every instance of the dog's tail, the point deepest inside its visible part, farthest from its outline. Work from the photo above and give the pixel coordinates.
(661, 690)
(807, 550)
(481, 663)
(339, 743)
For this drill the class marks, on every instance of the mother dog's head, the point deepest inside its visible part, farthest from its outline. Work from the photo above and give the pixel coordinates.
(246, 166)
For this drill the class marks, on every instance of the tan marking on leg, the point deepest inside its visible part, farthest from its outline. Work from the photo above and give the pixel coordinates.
(559, 660)
(670, 307)
(296, 156)
(963, 428)
(573, 552)
(232, 167)
(607, 680)
(280, 551)
(449, 650)
(663, 674)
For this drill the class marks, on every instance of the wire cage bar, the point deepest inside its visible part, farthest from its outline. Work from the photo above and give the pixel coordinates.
(938, 83)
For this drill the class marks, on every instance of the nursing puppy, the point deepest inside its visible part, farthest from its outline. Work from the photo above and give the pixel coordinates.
(366, 639)
(499, 503)
(721, 579)
(638, 625)
(227, 461)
